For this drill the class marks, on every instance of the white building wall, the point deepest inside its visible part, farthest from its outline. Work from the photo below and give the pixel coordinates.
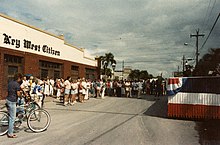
(19, 32)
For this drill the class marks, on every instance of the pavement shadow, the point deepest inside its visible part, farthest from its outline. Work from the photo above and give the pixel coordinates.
(142, 96)
(209, 132)
(159, 108)
(150, 97)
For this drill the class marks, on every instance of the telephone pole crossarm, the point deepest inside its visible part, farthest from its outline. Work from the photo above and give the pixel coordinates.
(197, 35)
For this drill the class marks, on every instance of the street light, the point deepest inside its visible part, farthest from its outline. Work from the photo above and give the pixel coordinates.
(186, 44)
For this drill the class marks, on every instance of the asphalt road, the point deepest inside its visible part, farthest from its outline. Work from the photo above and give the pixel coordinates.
(115, 121)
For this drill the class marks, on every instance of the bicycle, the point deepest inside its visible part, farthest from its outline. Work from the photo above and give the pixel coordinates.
(38, 119)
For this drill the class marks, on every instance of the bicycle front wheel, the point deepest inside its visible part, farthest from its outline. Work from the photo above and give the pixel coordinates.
(4, 119)
(38, 120)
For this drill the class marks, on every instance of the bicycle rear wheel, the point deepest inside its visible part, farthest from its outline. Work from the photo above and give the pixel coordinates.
(4, 119)
(38, 120)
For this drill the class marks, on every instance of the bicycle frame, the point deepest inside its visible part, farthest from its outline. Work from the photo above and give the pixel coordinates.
(27, 108)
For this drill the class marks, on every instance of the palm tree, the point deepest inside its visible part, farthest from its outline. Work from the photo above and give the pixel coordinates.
(107, 60)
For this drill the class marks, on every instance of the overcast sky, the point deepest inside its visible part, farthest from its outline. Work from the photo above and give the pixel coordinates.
(145, 34)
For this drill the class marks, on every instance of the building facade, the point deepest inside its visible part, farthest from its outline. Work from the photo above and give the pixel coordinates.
(29, 50)
(123, 74)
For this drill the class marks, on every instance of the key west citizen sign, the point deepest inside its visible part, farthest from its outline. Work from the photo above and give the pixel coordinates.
(29, 45)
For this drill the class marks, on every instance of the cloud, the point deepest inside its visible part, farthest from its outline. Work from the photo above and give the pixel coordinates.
(147, 34)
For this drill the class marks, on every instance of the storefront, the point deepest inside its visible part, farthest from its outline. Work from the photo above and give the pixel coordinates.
(28, 50)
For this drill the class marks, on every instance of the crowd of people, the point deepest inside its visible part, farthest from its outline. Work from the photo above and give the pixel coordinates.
(69, 91)
(136, 88)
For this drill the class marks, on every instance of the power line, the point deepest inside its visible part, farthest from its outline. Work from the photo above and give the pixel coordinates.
(211, 11)
(204, 22)
(210, 31)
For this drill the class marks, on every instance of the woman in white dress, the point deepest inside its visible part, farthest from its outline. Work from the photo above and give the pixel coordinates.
(88, 84)
(47, 87)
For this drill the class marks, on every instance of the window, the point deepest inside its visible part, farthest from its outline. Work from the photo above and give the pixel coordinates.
(44, 73)
(50, 69)
(46, 64)
(56, 74)
(12, 59)
(13, 65)
(74, 71)
(90, 73)
(75, 68)
(89, 70)
(11, 71)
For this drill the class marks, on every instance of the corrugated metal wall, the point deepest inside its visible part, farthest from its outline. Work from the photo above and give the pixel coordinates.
(199, 98)
(187, 111)
(202, 85)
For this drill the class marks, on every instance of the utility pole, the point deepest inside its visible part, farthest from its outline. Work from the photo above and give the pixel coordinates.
(123, 63)
(183, 63)
(197, 35)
